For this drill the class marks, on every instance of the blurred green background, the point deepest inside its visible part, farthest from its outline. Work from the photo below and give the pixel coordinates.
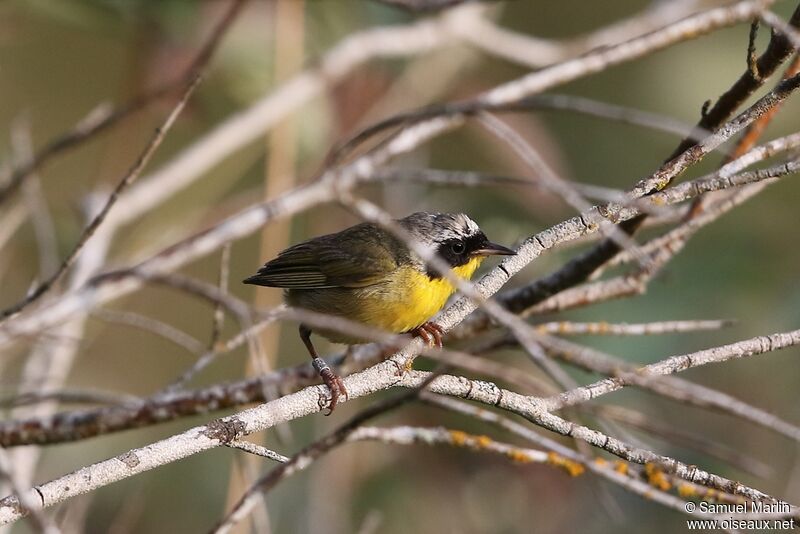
(61, 58)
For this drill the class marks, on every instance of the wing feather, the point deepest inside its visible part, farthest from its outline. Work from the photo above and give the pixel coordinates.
(356, 257)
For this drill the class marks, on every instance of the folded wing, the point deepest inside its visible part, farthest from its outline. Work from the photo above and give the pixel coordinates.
(356, 257)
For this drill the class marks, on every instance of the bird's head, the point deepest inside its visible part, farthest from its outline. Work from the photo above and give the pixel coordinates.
(455, 238)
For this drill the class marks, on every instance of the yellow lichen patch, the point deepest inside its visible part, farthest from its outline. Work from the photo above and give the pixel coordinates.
(571, 467)
(599, 328)
(602, 462)
(686, 491)
(518, 456)
(459, 438)
(621, 467)
(574, 468)
(482, 442)
(656, 477)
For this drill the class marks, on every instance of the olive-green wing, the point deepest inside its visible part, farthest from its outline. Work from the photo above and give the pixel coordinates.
(357, 257)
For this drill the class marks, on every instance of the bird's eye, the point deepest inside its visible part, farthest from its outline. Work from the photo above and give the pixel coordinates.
(457, 247)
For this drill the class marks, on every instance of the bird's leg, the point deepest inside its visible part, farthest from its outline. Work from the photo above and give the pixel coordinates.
(348, 353)
(430, 332)
(332, 380)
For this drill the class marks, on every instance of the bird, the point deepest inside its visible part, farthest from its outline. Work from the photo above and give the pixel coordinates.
(366, 274)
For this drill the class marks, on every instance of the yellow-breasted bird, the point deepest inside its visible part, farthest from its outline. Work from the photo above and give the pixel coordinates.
(366, 274)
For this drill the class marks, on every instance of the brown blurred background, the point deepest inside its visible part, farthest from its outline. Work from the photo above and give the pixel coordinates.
(60, 59)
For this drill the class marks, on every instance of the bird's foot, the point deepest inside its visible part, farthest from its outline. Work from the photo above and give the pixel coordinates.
(333, 381)
(431, 333)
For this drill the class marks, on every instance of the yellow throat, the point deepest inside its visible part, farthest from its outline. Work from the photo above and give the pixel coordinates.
(411, 298)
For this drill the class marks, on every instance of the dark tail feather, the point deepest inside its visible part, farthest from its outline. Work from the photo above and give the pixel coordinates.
(255, 280)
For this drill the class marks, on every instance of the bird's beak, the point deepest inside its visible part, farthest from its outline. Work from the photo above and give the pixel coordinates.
(493, 249)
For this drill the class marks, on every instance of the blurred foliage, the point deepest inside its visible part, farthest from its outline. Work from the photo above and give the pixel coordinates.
(60, 59)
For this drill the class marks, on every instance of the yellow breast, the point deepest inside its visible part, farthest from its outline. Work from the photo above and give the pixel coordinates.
(409, 298)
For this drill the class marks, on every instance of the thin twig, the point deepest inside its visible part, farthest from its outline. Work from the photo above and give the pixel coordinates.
(685, 438)
(527, 297)
(581, 268)
(491, 394)
(671, 387)
(123, 184)
(219, 312)
(746, 142)
(27, 501)
(310, 453)
(148, 324)
(551, 240)
(649, 373)
(320, 190)
(40, 215)
(82, 396)
(367, 162)
(103, 117)
(298, 404)
(408, 435)
(563, 188)
(258, 450)
(567, 458)
(553, 102)
(625, 329)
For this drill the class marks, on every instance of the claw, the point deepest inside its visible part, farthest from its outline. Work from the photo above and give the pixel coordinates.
(335, 385)
(424, 334)
(431, 333)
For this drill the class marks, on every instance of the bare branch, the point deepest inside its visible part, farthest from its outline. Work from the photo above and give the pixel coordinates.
(310, 453)
(364, 167)
(123, 184)
(258, 450)
(104, 117)
(670, 387)
(339, 183)
(219, 313)
(40, 216)
(581, 267)
(26, 499)
(159, 328)
(640, 329)
(622, 474)
(741, 349)
(82, 396)
(529, 408)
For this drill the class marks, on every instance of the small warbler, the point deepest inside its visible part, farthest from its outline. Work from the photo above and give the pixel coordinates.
(366, 274)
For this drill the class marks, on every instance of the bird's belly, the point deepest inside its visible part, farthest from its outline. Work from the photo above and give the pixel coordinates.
(408, 300)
